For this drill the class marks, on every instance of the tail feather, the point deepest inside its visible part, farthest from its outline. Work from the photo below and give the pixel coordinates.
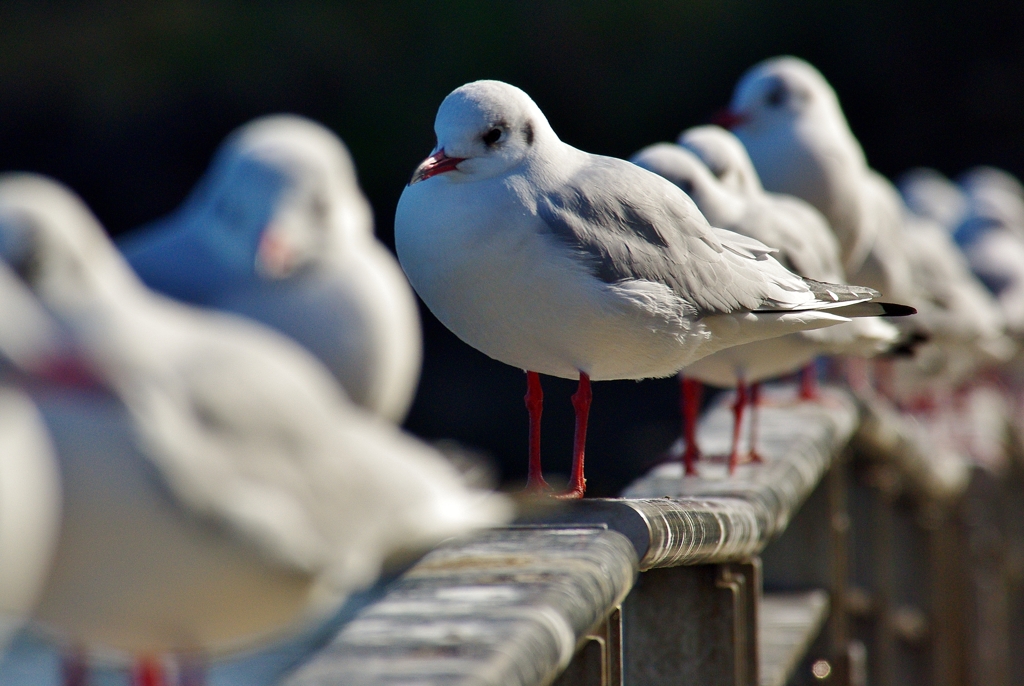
(850, 301)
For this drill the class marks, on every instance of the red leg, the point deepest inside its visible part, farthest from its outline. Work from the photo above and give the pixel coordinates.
(535, 405)
(755, 420)
(75, 668)
(148, 672)
(737, 414)
(690, 393)
(809, 383)
(581, 403)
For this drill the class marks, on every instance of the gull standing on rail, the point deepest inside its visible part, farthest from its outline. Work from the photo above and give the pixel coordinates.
(575, 265)
(991, 234)
(219, 487)
(712, 167)
(279, 231)
(30, 490)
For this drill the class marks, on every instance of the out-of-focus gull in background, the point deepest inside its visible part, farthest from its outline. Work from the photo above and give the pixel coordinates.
(219, 489)
(991, 234)
(790, 120)
(279, 231)
(928, 193)
(30, 489)
(713, 168)
(564, 263)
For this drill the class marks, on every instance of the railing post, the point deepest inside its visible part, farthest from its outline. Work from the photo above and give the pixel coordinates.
(693, 624)
(599, 661)
(839, 544)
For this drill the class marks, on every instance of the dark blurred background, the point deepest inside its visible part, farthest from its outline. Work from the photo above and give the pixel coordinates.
(126, 102)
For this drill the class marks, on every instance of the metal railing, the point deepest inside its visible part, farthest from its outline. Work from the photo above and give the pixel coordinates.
(843, 559)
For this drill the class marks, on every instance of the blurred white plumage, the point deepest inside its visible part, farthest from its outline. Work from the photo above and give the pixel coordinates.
(790, 120)
(711, 165)
(30, 506)
(223, 489)
(279, 231)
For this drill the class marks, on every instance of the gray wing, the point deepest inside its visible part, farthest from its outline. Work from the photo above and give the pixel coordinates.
(631, 224)
(806, 244)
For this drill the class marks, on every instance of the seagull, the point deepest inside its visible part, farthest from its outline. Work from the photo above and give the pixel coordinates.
(30, 489)
(712, 167)
(991, 234)
(30, 505)
(575, 265)
(790, 121)
(279, 231)
(219, 488)
(968, 330)
(928, 193)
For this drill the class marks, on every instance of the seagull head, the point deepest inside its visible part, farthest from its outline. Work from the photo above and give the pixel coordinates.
(779, 94)
(724, 154)
(995, 197)
(484, 129)
(281, 192)
(719, 205)
(789, 119)
(930, 194)
(57, 248)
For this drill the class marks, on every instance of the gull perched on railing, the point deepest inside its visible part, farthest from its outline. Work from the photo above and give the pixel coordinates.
(712, 167)
(279, 231)
(219, 488)
(790, 120)
(30, 492)
(928, 193)
(560, 262)
(991, 234)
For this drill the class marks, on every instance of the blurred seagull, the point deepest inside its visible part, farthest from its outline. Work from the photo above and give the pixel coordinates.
(991, 234)
(789, 119)
(565, 263)
(30, 506)
(219, 488)
(931, 195)
(712, 167)
(967, 327)
(279, 231)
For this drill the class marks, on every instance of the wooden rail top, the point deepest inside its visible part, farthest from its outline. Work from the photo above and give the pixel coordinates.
(511, 606)
(503, 607)
(713, 518)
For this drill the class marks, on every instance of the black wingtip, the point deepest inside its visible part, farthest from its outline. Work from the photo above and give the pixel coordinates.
(896, 310)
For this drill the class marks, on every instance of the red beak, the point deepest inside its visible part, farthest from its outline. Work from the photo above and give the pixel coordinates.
(438, 163)
(728, 119)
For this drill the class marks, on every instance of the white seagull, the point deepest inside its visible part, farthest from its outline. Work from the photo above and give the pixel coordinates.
(992, 236)
(790, 120)
(712, 167)
(279, 231)
(560, 262)
(30, 506)
(928, 193)
(30, 490)
(219, 487)
(968, 330)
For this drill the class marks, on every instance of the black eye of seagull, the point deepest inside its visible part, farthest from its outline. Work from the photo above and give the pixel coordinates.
(492, 137)
(776, 96)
